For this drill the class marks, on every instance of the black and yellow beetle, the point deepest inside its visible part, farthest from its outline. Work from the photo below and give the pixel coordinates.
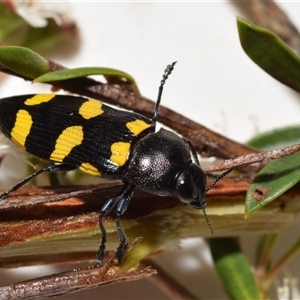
(85, 134)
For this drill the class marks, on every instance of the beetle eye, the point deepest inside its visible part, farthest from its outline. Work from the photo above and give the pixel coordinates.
(184, 189)
(190, 186)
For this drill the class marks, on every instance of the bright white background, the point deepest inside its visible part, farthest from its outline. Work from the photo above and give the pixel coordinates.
(214, 83)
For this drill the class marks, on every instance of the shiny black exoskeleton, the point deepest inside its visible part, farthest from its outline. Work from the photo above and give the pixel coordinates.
(161, 164)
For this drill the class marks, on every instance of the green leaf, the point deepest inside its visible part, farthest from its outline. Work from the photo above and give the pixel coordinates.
(23, 61)
(279, 175)
(112, 75)
(269, 52)
(234, 269)
(272, 181)
(276, 138)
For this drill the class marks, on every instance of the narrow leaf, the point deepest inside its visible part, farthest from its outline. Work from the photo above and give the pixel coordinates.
(279, 175)
(269, 52)
(272, 181)
(108, 73)
(233, 268)
(277, 138)
(23, 61)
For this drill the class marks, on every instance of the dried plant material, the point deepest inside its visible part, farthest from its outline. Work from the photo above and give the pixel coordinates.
(72, 281)
(23, 200)
(252, 158)
(36, 234)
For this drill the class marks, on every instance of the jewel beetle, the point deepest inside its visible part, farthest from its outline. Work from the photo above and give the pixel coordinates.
(80, 133)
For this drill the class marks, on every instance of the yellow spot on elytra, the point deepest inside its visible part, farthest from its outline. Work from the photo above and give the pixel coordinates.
(89, 169)
(21, 128)
(90, 109)
(70, 137)
(39, 98)
(137, 126)
(119, 153)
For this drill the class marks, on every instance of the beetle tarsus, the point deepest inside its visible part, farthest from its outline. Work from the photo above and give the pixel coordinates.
(101, 250)
(123, 240)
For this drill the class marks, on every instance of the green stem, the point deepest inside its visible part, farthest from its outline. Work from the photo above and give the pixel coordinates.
(265, 255)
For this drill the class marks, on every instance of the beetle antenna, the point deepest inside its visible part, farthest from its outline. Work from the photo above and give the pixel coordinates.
(166, 74)
(207, 221)
(219, 178)
(203, 209)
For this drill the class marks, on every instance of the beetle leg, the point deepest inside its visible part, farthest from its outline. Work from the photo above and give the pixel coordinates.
(49, 169)
(121, 208)
(121, 200)
(106, 208)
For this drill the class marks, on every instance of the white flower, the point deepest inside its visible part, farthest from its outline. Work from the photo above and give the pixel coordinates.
(36, 13)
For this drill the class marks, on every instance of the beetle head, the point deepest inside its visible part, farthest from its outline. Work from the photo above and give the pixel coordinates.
(191, 189)
(190, 186)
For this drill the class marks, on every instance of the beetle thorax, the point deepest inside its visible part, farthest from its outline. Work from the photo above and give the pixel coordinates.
(156, 161)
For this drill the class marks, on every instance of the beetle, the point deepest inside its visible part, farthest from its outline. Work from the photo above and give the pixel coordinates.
(79, 133)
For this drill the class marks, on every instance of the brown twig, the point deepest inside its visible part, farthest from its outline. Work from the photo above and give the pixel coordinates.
(72, 281)
(252, 158)
(71, 226)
